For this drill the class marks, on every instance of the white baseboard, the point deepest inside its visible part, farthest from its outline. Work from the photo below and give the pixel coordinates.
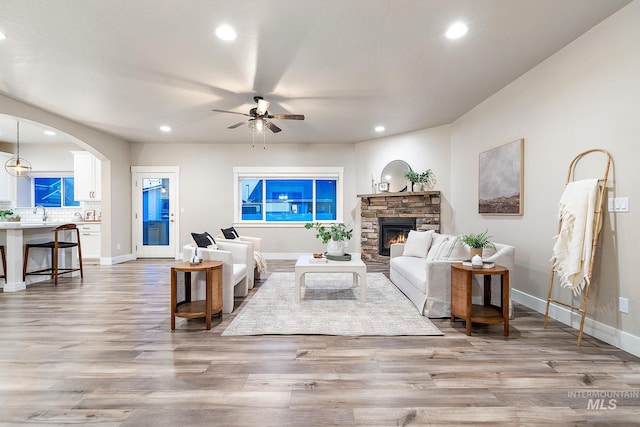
(623, 340)
(117, 260)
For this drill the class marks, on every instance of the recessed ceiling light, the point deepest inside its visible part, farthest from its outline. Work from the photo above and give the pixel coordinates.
(2, 35)
(165, 128)
(457, 30)
(225, 32)
(49, 132)
(379, 129)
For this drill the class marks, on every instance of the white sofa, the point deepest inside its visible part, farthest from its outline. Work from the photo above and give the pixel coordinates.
(237, 262)
(426, 281)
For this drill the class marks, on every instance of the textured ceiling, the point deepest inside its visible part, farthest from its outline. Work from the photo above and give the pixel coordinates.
(128, 66)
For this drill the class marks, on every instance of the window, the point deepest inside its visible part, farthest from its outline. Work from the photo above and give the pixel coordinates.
(53, 192)
(288, 195)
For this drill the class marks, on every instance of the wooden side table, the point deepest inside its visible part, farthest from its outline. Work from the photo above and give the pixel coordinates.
(461, 306)
(199, 308)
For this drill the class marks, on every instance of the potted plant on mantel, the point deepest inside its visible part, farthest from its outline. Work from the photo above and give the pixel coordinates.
(333, 235)
(421, 181)
(477, 242)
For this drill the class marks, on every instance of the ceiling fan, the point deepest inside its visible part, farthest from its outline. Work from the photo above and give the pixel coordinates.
(260, 117)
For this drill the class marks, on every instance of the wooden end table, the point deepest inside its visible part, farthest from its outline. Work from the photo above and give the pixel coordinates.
(212, 304)
(461, 306)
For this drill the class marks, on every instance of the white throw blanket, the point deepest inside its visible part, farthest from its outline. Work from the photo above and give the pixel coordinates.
(572, 250)
(261, 263)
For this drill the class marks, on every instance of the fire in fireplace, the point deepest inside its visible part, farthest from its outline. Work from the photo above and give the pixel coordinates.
(393, 230)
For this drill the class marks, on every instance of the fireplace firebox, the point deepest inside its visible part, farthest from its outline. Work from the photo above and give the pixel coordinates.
(393, 230)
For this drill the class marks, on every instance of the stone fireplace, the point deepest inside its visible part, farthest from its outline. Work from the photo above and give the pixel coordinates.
(393, 230)
(388, 217)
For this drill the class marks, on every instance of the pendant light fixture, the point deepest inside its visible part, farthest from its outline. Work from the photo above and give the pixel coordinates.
(16, 166)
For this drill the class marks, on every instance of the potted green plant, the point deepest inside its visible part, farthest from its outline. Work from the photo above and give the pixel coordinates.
(5, 213)
(420, 181)
(412, 175)
(477, 242)
(414, 178)
(427, 178)
(334, 235)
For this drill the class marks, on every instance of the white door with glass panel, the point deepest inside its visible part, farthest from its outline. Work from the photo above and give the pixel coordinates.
(155, 220)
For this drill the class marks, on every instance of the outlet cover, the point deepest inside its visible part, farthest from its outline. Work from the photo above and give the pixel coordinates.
(623, 305)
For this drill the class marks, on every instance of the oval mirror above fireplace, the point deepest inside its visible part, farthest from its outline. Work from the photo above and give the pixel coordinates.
(393, 173)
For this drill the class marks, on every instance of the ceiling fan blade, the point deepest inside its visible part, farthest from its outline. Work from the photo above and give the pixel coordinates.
(232, 112)
(263, 106)
(274, 128)
(286, 116)
(238, 124)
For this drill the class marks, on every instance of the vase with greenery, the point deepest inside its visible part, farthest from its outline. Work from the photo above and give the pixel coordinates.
(427, 179)
(333, 235)
(477, 242)
(420, 181)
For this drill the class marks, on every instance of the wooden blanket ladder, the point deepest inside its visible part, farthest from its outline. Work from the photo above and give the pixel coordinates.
(601, 194)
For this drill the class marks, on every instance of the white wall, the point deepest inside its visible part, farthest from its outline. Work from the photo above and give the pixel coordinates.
(422, 150)
(49, 157)
(206, 186)
(586, 96)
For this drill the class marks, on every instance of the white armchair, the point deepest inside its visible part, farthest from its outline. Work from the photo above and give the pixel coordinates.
(255, 241)
(237, 262)
(256, 248)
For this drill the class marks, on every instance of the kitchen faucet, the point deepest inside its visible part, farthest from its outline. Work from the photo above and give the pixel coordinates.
(44, 212)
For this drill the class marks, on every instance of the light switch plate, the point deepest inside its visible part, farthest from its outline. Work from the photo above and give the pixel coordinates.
(618, 204)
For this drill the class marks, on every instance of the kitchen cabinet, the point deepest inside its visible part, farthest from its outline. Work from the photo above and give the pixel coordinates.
(7, 182)
(90, 238)
(87, 176)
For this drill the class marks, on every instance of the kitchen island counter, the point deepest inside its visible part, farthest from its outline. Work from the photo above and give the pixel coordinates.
(15, 235)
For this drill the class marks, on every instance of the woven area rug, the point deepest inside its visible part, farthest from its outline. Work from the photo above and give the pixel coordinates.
(329, 306)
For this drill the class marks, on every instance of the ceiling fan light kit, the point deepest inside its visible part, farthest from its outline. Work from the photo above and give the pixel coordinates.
(257, 125)
(259, 115)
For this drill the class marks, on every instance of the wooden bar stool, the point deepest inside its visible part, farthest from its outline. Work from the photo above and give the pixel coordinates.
(4, 262)
(54, 246)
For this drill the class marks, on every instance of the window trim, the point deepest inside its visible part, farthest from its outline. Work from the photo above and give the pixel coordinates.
(269, 172)
(51, 175)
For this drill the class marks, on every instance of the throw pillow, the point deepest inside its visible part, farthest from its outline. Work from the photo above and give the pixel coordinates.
(437, 243)
(230, 233)
(203, 240)
(418, 243)
(453, 249)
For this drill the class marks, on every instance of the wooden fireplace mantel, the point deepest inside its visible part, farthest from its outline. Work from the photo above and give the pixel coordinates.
(400, 194)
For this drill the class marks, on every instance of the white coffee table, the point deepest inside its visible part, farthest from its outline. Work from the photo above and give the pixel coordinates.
(355, 266)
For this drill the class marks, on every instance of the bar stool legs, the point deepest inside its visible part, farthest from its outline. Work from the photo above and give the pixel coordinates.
(54, 246)
(4, 262)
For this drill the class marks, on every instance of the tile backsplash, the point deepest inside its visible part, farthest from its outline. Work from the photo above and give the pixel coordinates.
(56, 214)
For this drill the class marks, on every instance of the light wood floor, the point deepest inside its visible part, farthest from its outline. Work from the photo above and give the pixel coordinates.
(101, 352)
